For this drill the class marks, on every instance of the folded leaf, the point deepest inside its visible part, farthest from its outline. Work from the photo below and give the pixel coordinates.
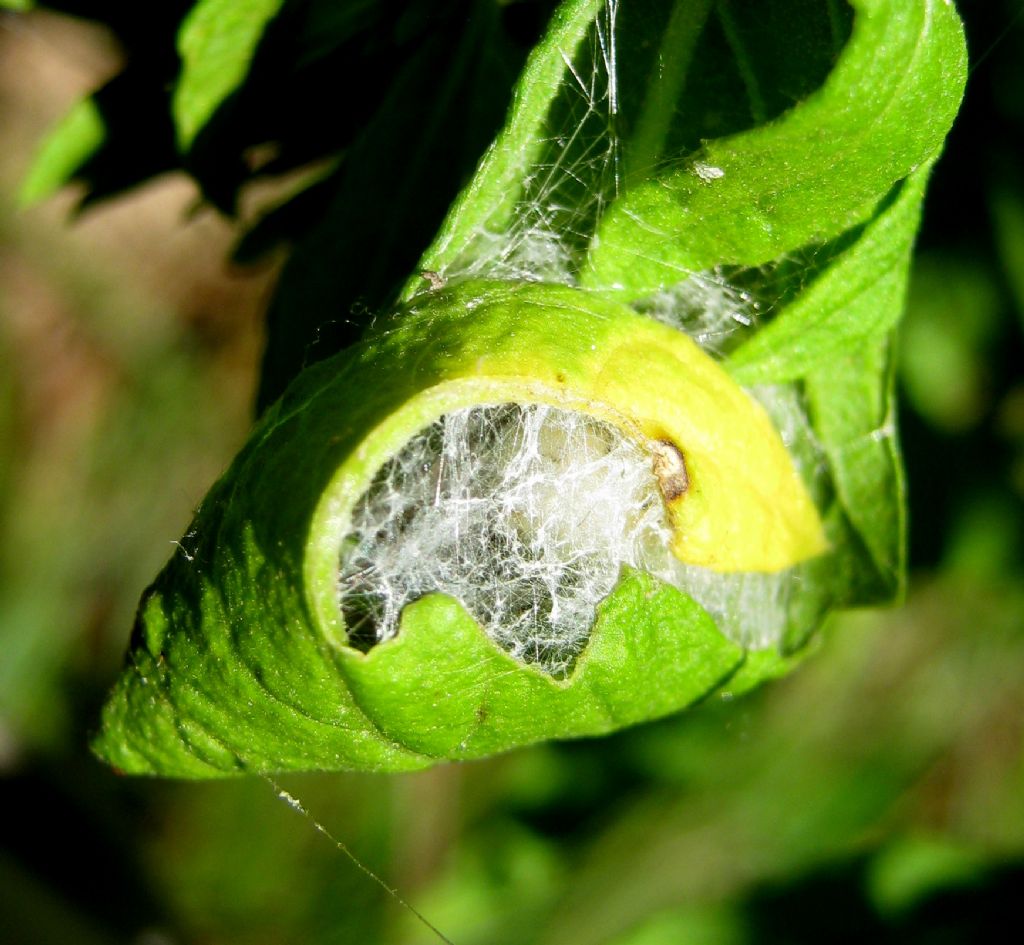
(242, 660)
(805, 178)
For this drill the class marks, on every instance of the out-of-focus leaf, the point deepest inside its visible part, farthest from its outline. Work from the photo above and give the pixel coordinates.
(947, 341)
(1008, 216)
(695, 926)
(119, 137)
(216, 44)
(910, 869)
(500, 886)
(865, 740)
(76, 137)
(986, 536)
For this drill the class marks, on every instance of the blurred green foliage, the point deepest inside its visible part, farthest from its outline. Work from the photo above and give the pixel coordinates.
(875, 795)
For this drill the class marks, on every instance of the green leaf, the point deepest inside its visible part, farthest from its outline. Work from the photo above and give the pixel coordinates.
(789, 140)
(216, 43)
(851, 406)
(76, 137)
(121, 135)
(830, 187)
(241, 660)
(489, 201)
(859, 295)
(624, 152)
(805, 178)
(648, 639)
(223, 703)
(911, 869)
(596, 94)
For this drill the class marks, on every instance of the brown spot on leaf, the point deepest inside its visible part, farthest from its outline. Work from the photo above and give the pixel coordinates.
(669, 468)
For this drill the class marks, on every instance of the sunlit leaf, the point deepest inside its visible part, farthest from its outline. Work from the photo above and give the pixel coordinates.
(216, 43)
(78, 135)
(792, 160)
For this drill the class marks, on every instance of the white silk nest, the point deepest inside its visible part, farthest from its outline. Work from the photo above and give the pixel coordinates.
(527, 515)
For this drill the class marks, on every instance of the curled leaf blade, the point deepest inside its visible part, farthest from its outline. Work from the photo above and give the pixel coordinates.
(805, 178)
(242, 663)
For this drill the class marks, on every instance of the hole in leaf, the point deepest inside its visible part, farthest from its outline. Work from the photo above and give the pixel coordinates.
(524, 513)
